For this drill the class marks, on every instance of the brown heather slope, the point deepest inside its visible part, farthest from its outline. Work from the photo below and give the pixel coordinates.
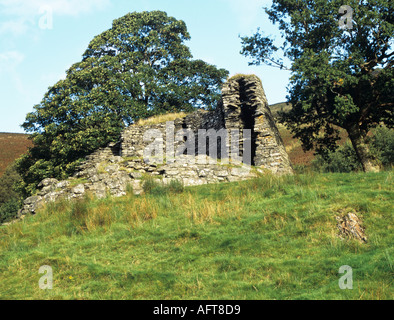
(12, 145)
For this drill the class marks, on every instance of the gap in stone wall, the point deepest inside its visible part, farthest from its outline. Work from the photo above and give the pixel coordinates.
(247, 118)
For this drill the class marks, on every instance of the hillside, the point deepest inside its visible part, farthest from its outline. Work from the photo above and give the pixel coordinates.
(12, 145)
(269, 238)
(293, 146)
(281, 106)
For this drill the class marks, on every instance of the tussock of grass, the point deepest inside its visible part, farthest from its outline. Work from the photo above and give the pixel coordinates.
(240, 75)
(162, 118)
(267, 238)
(152, 186)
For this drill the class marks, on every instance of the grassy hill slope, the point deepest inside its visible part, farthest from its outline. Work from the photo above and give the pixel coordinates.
(269, 238)
(281, 106)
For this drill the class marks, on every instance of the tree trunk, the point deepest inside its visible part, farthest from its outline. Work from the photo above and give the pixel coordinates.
(362, 149)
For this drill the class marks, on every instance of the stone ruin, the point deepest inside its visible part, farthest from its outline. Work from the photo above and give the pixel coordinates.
(238, 140)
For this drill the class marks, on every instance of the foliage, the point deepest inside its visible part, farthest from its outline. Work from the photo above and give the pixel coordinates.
(7, 184)
(383, 145)
(344, 159)
(10, 199)
(138, 68)
(340, 77)
(9, 210)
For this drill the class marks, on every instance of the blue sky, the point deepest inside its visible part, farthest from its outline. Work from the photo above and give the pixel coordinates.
(41, 39)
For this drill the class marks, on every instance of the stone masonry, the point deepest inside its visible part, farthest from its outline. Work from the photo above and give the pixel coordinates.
(237, 141)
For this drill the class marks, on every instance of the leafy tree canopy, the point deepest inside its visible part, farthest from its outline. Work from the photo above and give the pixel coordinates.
(342, 73)
(138, 68)
(7, 185)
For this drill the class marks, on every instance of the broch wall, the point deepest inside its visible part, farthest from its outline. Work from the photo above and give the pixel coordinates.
(187, 149)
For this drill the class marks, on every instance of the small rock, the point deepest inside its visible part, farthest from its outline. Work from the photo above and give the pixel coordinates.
(32, 200)
(202, 173)
(79, 189)
(52, 196)
(63, 184)
(350, 226)
(222, 173)
(47, 182)
(112, 168)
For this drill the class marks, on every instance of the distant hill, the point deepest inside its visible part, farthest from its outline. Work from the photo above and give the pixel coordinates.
(281, 106)
(12, 145)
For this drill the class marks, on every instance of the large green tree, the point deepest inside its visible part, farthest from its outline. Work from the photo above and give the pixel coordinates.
(138, 68)
(342, 68)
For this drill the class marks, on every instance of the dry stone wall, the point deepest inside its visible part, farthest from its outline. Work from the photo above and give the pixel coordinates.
(209, 156)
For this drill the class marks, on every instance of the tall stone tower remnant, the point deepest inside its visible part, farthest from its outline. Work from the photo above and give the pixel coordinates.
(245, 106)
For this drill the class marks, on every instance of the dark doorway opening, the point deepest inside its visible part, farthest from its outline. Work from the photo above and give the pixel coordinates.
(247, 120)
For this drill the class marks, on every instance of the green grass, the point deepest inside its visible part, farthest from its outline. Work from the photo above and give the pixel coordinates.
(268, 238)
(161, 118)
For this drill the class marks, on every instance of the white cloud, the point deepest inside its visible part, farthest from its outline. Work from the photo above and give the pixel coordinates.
(23, 14)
